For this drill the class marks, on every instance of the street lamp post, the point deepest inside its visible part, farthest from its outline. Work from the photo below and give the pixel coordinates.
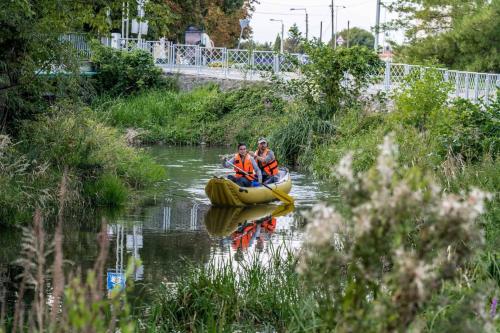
(282, 33)
(307, 20)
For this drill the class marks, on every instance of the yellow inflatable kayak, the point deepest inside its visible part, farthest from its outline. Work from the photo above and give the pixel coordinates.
(223, 192)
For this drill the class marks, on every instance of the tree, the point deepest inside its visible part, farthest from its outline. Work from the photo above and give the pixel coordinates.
(277, 44)
(30, 45)
(358, 36)
(295, 42)
(459, 34)
(219, 18)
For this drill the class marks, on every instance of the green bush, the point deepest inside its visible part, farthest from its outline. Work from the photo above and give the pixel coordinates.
(107, 190)
(122, 73)
(74, 140)
(470, 130)
(333, 78)
(245, 114)
(422, 99)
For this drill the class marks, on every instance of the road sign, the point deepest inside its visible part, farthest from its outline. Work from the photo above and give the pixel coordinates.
(340, 40)
(244, 23)
(115, 279)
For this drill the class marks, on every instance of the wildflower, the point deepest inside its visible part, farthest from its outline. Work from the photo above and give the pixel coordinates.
(344, 169)
(385, 160)
(325, 223)
(493, 310)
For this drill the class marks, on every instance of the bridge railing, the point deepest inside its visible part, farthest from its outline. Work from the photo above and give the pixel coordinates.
(256, 65)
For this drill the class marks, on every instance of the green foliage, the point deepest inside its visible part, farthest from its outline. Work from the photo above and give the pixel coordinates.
(458, 34)
(107, 190)
(400, 239)
(277, 44)
(462, 128)
(421, 99)
(30, 49)
(295, 41)
(333, 78)
(202, 115)
(299, 132)
(166, 116)
(123, 73)
(470, 130)
(246, 114)
(101, 165)
(357, 36)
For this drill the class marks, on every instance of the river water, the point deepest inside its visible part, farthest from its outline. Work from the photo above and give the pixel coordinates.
(178, 225)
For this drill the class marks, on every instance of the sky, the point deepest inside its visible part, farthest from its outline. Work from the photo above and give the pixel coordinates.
(360, 13)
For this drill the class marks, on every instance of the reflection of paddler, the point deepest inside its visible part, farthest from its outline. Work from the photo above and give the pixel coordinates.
(221, 221)
(245, 235)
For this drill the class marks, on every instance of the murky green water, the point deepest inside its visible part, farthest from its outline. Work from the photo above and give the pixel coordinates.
(179, 225)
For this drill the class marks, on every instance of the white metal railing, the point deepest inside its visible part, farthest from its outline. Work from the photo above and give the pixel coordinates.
(256, 65)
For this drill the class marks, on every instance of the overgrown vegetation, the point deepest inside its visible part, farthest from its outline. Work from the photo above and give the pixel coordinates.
(102, 168)
(53, 297)
(203, 115)
(399, 256)
(125, 73)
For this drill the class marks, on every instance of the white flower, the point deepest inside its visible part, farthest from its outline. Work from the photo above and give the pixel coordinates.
(386, 159)
(344, 169)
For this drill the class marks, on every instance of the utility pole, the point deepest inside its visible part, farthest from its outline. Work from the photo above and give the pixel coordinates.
(282, 33)
(377, 23)
(348, 24)
(320, 31)
(333, 29)
(307, 26)
(307, 21)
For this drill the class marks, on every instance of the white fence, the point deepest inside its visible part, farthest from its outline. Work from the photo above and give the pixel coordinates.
(257, 65)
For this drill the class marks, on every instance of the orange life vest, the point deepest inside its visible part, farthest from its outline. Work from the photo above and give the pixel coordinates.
(270, 168)
(245, 165)
(269, 225)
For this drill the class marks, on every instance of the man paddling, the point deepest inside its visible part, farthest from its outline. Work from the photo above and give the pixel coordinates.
(266, 161)
(242, 161)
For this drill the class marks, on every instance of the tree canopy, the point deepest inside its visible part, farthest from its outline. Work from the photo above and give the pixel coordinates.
(358, 36)
(459, 34)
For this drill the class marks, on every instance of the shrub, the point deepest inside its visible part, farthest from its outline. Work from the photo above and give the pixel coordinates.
(470, 130)
(398, 242)
(333, 77)
(298, 134)
(122, 73)
(421, 99)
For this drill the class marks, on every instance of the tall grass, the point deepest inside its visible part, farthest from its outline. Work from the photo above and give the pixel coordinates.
(53, 298)
(204, 115)
(165, 116)
(230, 296)
(102, 168)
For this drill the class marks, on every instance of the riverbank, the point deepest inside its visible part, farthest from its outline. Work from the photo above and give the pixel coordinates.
(454, 144)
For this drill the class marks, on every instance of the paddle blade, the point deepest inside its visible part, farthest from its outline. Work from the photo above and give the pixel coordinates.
(282, 196)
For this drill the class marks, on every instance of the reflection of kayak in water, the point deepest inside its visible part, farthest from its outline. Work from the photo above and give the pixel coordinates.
(223, 192)
(244, 236)
(221, 221)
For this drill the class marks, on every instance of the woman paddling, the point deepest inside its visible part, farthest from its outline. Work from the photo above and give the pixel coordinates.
(245, 167)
